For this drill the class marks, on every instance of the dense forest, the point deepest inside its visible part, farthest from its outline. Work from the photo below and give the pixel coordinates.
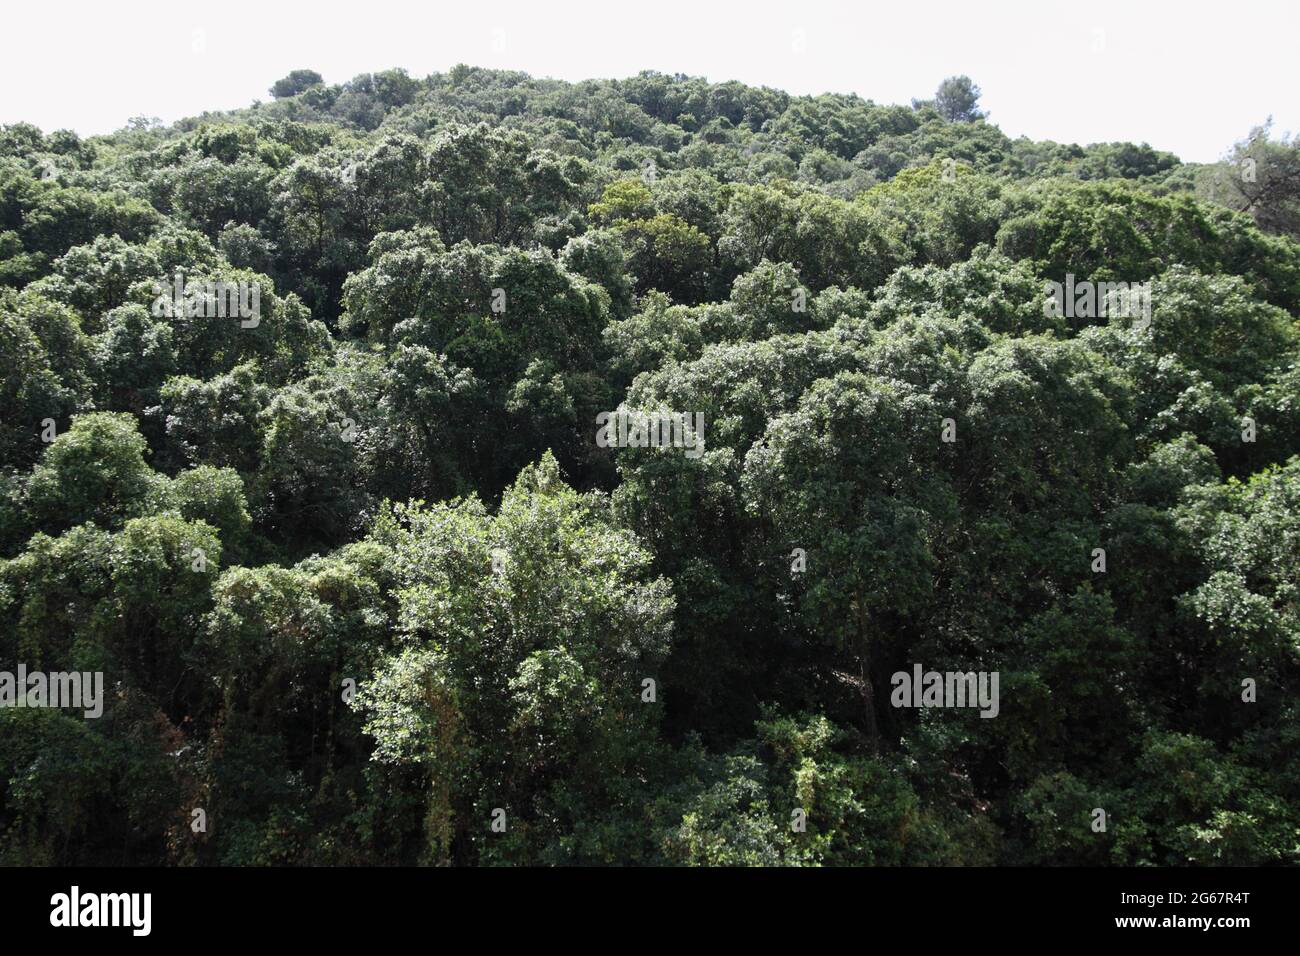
(369, 583)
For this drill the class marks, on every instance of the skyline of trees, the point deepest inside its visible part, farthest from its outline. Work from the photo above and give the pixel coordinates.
(359, 575)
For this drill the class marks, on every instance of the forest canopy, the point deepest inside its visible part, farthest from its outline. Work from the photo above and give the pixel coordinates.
(483, 469)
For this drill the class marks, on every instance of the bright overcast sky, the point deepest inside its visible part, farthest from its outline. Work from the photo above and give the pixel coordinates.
(1189, 77)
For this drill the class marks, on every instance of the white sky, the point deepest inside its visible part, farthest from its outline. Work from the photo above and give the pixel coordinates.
(1190, 77)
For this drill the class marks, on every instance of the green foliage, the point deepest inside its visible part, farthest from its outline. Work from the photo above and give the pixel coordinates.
(95, 471)
(296, 82)
(956, 98)
(358, 575)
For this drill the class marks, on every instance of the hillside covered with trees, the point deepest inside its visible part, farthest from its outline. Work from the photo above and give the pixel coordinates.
(366, 588)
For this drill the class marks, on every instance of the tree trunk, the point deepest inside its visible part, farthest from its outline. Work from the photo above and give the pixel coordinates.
(864, 673)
